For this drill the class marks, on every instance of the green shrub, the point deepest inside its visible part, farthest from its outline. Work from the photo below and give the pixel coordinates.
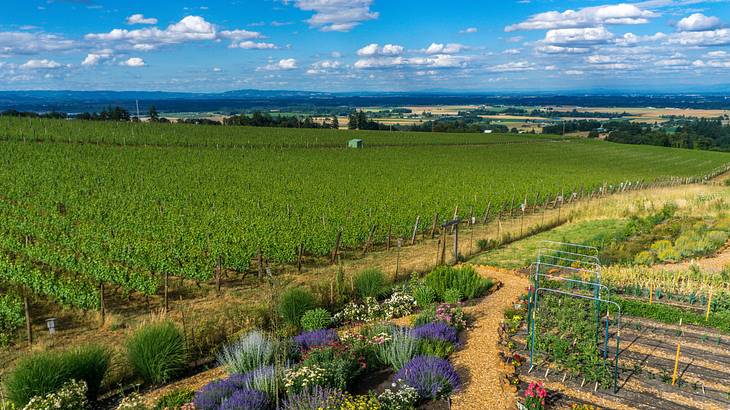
(316, 319)
(438, 348)
(424, 295)
(11, 318)
(452, 296)
(43, 373)
(465, 280)
(157, 353)
(401, 348)
(644, 258)
(717, 238)
(427, 315)
(370, 283)
(665, 251)
(294, 303)
(175, 399)
(250, 352)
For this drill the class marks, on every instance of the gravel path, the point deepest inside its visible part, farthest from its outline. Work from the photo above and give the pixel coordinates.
(478, 363)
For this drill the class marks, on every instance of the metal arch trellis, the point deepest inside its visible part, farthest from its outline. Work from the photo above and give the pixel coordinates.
(553, 255)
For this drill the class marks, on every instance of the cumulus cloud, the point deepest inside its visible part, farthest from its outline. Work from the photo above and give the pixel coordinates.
(698, 22)
(140, 19)
(432, 61)
(40, 64)
(586, 17)
(717, 37)
(469, 30)
(286, 64)
(337, 15)
(438, 48)
(190, 28)
(578, 36)
(323, 67)
(550, 49)
(250, 45)
(513, 66)
(376, 50)
(133, 62)
(95, 58)
(20, 42)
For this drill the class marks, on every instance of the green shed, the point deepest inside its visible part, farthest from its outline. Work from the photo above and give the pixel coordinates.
(355, 143)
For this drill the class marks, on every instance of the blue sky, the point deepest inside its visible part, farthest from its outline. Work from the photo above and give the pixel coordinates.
(350, 45)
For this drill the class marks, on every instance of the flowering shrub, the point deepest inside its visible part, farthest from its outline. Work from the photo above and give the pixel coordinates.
(399, 304)
(309, 340)
(436, 331)
(402, 397)
(304, 378)
(315, 398)
(71, 396)
(535, 396)
(215, 393)
(368, 402)
(246, 399)
(451, 315)
(132, 402)
(432, 377)
(339, 362)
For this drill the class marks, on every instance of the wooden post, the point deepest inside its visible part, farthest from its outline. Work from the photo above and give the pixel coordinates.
(260, 263)
(336, 251)
(438, 251)
(456, 213)
(512, 206)
(433, 227)
(369, 242)
(390, 237)
(486, 213)
(443, 248)
(102, 311)
(299, 258)
(676, 357)
(397, 260)
(651, 294)
(709, 306)
(456, 243)
(28, 323)
(415, 229)
(166, 283)
(218, 273)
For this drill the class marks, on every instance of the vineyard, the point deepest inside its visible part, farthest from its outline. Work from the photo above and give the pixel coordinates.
(109, 210)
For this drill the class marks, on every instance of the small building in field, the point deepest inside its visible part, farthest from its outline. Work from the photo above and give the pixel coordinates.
(488, 131)
(355, 143)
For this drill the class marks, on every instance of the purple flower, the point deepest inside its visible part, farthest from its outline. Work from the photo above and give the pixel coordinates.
(246, 399)
(432, 377)
(436, 331)
(215, 393)
(314, 399)
(308, 340)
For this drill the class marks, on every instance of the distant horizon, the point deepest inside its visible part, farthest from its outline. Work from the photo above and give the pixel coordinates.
(517, 46)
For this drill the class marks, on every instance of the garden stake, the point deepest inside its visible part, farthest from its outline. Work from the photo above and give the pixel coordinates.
(676, 358)
(709, 305)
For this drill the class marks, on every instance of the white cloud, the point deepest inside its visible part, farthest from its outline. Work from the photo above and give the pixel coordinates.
(323, 67)
(133, 62)
(514, 66)
(550, 49)
(512, 51)
(586, 17)
(40, 64)
(95, 58)
(672, 62)
(717, 37)
(432, 61)
(438, 48)
(190, 28)
(17, 43)
(578, 36)
(574, 72)
(140, 19)
(250, 45)
(718, 54)
(337, 15)
(375, 50)
(698, 22)
(282, 65)
(469, 30)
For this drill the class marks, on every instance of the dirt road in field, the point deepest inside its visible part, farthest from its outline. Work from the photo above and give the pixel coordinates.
(478, 363)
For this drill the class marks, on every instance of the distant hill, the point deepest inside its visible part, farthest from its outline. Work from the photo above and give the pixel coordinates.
(249, 100)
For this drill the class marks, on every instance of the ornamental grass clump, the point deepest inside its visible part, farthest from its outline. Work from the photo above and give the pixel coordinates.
(315, 398)
(446, 281)
(250, 352)
(316, 319)
(370, 283)
(157, 352)
(401, 348)
(309, 340)
(266, 379)
(293, 304)
(432, 377)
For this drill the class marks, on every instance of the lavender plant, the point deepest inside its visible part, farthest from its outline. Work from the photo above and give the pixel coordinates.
(246, 399)
(432, 377)
(308, 340)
